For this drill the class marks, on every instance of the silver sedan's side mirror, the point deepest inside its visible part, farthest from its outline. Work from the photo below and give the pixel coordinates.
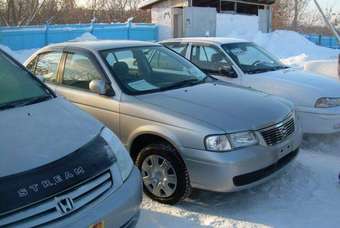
(98, 86)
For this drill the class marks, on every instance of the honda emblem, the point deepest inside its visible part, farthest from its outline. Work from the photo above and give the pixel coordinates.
(64, 205)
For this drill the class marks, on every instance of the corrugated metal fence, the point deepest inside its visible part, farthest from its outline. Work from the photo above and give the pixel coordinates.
(30, 37)
(326, 41)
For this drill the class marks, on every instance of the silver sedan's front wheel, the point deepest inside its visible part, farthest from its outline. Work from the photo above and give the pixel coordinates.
(159, 176)
(165, 176)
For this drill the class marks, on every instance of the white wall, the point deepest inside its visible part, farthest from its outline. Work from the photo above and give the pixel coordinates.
(236, 25)
(163, 17)
(199, 21)
(325, 67)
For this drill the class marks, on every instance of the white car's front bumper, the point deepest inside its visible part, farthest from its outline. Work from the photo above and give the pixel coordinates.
(319, 121)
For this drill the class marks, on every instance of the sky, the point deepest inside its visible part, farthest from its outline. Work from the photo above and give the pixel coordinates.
(328, 3)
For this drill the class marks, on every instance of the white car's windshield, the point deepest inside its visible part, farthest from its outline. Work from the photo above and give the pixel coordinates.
(17, 87)
(141, 70)
(251, 58)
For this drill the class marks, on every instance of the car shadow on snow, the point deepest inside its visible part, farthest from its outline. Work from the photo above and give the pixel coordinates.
(328, 144)
(295, 184)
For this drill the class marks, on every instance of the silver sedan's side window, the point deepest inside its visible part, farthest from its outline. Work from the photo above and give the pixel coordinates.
(47, 66)
(79, 71)
(180, 48)
(208, 58)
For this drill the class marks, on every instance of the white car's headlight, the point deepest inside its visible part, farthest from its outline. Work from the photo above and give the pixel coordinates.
(124, 160)
(327, 102)
(230, 141)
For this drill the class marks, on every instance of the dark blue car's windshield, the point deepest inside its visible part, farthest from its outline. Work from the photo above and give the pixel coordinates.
(17, 87)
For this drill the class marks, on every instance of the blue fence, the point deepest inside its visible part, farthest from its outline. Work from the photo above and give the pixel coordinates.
(326, 41)
(30, 37)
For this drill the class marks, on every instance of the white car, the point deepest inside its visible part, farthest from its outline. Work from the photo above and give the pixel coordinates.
(316, 97)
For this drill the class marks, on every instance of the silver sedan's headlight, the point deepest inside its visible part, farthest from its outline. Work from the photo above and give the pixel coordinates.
(230, 141)
(327, 102)
(124, 160)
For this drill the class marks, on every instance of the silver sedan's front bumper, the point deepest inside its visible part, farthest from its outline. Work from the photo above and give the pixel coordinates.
(239, 169)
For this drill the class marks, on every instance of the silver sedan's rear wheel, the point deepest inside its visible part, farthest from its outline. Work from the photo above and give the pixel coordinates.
(165, 176)
(159, 176)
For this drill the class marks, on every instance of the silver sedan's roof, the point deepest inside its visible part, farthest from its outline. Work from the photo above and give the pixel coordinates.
(98, 45)
(216, 40)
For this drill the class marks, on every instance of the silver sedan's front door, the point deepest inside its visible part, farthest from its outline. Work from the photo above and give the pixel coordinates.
(78, 70)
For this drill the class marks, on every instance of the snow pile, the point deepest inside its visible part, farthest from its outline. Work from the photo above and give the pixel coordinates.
(7, 50)
(307, 194)
(85, 37)
(326, 67)
(291, 47)
(296, 61)
(22, 55)
(288, 44)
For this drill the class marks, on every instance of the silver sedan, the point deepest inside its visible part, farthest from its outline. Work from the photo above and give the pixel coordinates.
(183, 128)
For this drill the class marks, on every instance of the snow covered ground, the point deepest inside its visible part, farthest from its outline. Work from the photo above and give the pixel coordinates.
(307, 194)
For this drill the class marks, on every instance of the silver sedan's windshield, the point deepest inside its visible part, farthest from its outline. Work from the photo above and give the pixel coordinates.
(141, 70)
(17, 87)
(251, 58)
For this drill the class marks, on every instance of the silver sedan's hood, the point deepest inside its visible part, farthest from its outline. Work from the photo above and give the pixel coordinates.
(38, 134)
(302, 88)
(226, 107)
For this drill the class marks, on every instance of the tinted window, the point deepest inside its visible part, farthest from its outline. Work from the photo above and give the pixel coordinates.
(180, 48)
(79, 71)
(208, 58)
(47, 66)
(16, 84)
(161, 61)
(150, 69)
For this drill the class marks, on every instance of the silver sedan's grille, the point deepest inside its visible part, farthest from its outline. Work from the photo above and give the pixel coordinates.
(279, 132)
(50, 210)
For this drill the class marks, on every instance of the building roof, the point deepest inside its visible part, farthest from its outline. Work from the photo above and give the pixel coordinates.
(215, 40)
(146, 4)
(102, 44)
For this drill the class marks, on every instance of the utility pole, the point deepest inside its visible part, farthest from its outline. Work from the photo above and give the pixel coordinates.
(332, 28)
(327, 21)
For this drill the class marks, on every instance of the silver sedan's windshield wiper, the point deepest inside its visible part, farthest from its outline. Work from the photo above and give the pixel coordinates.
(188, 82)
(262, 70)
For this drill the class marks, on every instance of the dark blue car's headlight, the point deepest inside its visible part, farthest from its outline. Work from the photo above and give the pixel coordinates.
(124, 160)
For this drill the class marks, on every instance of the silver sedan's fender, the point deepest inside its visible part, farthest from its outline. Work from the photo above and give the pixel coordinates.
(160, 131)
